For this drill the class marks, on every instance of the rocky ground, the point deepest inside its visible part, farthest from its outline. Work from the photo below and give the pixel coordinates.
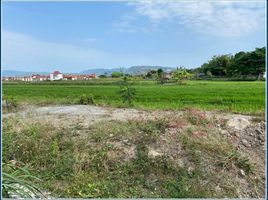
(245, 133)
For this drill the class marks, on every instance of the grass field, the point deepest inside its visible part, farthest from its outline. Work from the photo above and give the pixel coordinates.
(242, 97)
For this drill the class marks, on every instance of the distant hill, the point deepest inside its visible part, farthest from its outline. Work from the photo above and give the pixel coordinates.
(134, 70)
(100, 71)
(12, 73)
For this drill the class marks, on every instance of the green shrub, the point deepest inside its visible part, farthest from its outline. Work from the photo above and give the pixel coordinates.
(116, 74)
(86, 100)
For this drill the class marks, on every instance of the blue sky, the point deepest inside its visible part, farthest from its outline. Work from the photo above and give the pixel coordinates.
(74, 36)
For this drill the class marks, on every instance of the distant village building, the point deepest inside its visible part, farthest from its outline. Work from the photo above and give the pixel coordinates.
(27, 78)
(69, 77)
(37, 77)
(78, 77)
(55, 76)
(88, 77)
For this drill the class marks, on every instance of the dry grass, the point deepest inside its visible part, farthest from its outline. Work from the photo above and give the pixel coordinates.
(111, 158)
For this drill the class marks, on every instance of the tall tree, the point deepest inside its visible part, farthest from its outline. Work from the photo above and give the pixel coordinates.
(248, 63)
(241, 64)
(160, 76)
(218, 65)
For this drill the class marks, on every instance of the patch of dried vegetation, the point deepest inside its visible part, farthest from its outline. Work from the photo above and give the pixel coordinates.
(170, 154)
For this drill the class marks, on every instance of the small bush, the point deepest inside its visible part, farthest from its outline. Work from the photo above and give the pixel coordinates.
(86, 100)
(126, 92)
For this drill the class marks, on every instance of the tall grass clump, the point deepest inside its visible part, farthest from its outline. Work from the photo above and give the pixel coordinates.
(41, 146)
(17, 181)
(10, 104)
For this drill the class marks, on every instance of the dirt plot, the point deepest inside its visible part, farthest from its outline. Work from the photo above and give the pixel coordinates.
(246, 134)
(85, 114)
(91, 114)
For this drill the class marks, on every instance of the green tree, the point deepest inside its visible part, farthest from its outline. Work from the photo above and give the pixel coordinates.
(218, 65)
(241, 64)
(103, 76)
(151, 74)
(248, 63)
(117, 74)
(127, 92)
(160, 76)
(181, 75)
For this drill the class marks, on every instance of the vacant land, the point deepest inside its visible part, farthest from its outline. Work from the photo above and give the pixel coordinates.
(242, 97)
(175, 142)
(88, 151)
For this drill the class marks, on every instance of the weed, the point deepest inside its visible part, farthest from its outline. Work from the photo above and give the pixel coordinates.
(17, 180)
(98, 165)
(86, 99)
(50, 153)
(215, 145)
(10, 104)
(196, 117)
(150, 131)
(260, 117)
(187, 185)
(239, 160)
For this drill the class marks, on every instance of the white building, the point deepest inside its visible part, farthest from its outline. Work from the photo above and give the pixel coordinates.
(55, 76)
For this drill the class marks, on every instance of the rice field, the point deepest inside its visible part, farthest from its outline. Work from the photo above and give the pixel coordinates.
(241, 97)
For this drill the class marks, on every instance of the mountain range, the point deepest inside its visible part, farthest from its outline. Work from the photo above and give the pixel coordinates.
(134, 70)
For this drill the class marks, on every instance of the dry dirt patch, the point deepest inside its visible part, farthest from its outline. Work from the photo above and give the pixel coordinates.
(87, 114)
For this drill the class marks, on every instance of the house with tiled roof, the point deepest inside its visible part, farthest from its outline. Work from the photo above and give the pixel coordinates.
(55, 76)
(69, 77)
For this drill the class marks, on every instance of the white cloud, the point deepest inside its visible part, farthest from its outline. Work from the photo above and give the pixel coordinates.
(128, 23)
(222, 18)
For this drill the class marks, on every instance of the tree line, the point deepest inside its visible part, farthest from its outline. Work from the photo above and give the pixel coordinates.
(242, 64)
